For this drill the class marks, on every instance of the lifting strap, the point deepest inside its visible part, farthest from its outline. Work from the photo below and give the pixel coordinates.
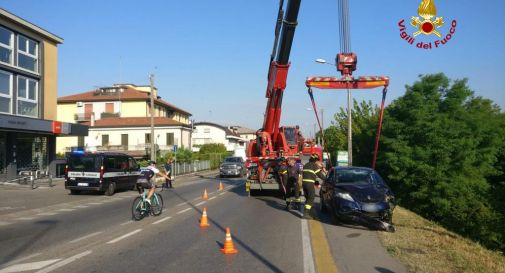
(311, 95)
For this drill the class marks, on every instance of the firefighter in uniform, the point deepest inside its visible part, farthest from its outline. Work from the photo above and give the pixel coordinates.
(311, 171)
(289, 175)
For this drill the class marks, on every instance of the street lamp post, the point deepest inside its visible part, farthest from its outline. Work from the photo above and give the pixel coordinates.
(153, 151)
(349, 117)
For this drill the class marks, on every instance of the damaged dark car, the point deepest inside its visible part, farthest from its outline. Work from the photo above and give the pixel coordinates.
(358, 195)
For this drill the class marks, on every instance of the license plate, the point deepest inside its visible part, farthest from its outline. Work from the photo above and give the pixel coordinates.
(370, 208)
(82, 184)
(229, 172)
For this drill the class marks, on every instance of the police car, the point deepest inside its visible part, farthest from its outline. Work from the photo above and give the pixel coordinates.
(103, 172)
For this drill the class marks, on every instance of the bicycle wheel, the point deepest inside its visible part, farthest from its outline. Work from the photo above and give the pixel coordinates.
(137, 211)
(156, 204)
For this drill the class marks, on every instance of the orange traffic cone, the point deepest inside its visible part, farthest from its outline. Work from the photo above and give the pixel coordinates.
(228, 244)
(221, 187)
(205, 195)
(203, 221)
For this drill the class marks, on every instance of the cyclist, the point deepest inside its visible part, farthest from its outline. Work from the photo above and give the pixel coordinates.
(145, 178)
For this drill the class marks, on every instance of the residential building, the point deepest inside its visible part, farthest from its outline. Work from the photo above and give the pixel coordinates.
(209, 132)
(245, 133)
(119, 120)
(28, 91)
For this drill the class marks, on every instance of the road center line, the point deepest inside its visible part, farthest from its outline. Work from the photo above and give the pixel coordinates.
(212, 197)
(28, 266)
(47, 213)
(182, 211)
(85, 237)
(180, 204)
(308, 262)
(94, 203)
(19, 260)
(126, 223)
(81, 207)
(64, 262)
(322, 254)
(124, 236)
(66, 210)
(25, 218)
(201, 203)
(162, 220)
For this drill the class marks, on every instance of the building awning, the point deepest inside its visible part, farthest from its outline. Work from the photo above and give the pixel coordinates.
(41, 126)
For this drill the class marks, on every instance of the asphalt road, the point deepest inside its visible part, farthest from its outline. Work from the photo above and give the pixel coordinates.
(95, 233)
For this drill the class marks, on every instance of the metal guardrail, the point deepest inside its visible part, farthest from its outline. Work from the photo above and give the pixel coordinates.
(195, 166)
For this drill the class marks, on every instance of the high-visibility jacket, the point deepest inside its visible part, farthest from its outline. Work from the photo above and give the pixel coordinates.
(311, 172)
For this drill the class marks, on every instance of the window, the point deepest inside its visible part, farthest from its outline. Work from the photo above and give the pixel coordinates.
(5, 92)
(105, 140)
(133, 164)
(27, 97)
(109, 107)
(147, 138)
(6, 47)
(170, 138)
(124, 139)
(28, 53)
(80, 141)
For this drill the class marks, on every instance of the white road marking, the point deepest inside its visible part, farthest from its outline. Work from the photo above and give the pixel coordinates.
(212, 197)
(64, 262)
(47, 213)
(25, 218)
(126, 223)
(94, 203)
(162, 220)
(198, 198)
(180, 204)
(28, 266)
(124, 236)
(222, 193)
(182, 211)
(2, 223)
(66, 210)
(308, 261)
(201, 203)
(81, 207)
(20, 260)
(85, 237)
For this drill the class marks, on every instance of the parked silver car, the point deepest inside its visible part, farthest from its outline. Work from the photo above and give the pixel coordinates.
(232, 166)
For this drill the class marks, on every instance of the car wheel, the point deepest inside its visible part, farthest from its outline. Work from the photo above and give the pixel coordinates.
(75, 192)
(110, 189)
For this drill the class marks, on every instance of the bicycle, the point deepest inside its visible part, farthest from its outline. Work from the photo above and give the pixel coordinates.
(141, 207)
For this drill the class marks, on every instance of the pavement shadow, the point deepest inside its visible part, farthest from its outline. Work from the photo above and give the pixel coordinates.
(45, 227)
(383, 270)
(237, 240)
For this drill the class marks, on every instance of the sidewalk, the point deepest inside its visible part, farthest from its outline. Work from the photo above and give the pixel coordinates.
(43, 183)
(15, 198)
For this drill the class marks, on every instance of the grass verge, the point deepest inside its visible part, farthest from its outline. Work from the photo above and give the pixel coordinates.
(427, 247)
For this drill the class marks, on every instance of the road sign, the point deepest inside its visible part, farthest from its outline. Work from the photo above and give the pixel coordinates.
(342, 158)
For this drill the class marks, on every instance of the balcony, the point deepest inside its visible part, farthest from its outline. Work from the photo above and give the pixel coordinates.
(110, 115)
(137, 151)
(80, 117)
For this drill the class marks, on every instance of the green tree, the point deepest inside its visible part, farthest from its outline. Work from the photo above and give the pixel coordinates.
(364, 122)
(439, 145)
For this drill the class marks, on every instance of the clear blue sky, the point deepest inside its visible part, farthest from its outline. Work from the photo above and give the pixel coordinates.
(211, 57)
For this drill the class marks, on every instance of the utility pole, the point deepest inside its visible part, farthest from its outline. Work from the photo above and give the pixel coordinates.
(153, 150)
(349, 128)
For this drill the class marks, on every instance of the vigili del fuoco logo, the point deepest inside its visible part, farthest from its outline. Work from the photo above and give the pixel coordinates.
(428, 25)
